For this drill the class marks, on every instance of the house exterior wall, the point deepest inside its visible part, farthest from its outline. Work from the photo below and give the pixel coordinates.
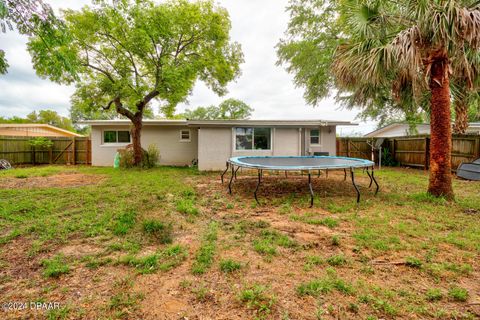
(212, 146)
(217, 145)
(166, 138)
(328, 141)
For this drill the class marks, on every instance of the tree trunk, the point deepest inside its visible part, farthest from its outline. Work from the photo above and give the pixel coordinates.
(137, 145)
(461, 117)
(440, 183)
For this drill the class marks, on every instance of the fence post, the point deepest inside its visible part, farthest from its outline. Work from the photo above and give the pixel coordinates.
(394, 150)
(427, 153)
(33, 155)
(74, 141)
(348, 148)
(477, 148)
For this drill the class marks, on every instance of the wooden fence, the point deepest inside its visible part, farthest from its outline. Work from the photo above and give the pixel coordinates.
(411, 151)
(17, 150)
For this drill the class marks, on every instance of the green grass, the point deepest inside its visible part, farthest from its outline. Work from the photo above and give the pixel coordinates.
(164, 260)
(55, 267)
(229, 265)
(206, 253)
(257, 297)
(458, 294)
(127, 217)
(161, 231)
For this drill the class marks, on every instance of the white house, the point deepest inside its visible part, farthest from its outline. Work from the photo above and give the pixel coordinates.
(403, 129)
(213, 142)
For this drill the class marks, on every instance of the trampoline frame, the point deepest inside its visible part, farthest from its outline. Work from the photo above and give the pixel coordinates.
(234, 164)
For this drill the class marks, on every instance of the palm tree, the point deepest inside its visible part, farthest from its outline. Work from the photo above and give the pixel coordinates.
(412, 47)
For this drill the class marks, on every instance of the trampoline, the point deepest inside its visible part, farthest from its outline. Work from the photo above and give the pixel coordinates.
(310, 164)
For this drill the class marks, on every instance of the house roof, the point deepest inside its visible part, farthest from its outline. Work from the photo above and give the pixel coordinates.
(28, 129)
(471, 125)
(225, 123)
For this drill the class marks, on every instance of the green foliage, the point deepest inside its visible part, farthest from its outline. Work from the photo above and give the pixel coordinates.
(229, 265)
(458, 294)
(337, 260)
(434, 295)
(40, 142)
(325, 285)
(50, 117)
(228, 109)
(150, 157)
(124, 54)
(413, 262)
(388, 159)
(55, 267)
(256, 297)
(124, 222)
(206, 252)
(161, 231)
(164, 260)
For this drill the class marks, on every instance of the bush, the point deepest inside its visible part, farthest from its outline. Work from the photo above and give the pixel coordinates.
(40, 142)
(161, 231)
(150, 157)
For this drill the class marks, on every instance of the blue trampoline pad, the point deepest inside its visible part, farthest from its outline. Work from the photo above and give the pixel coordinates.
(299, 163)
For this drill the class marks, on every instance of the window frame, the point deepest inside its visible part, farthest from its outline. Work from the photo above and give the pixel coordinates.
(116, 143)
(189, 135)
(253, 139)
(319, 137)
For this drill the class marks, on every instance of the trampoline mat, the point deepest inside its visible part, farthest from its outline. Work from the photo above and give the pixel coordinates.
(300, 163)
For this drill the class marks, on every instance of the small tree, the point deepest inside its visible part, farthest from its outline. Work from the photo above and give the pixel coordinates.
(123, 55)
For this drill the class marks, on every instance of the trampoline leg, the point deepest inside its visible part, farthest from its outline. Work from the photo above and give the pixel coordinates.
(258, 185)
(286, 175)
(311, 189)
(318, 176)
(374, 180)
(228, 165)
(231, 179)
(326, 173)
(345, 174)
(236, 173)
(354, 185)
(371, 180)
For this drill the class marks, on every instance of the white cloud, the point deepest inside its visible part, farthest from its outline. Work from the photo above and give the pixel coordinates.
(256, 25)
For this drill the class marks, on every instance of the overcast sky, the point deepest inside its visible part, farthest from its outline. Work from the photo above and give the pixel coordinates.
(256, 25)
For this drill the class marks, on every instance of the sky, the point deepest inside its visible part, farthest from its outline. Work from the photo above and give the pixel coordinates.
(269, 89)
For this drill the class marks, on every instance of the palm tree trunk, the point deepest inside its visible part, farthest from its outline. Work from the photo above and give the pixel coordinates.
(461, 117)
(440, 183)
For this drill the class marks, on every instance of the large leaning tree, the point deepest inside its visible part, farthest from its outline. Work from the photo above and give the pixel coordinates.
(121, 55)
(25, 16)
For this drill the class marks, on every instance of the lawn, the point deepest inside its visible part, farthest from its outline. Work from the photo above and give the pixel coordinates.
(170, 243)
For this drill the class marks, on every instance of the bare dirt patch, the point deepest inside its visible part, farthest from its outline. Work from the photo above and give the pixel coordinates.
(64, 180)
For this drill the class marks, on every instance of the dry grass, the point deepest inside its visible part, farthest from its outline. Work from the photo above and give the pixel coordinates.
(400, 255)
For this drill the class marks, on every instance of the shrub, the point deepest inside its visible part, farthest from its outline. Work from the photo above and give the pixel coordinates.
(40, 142)
(163, 232)
(150, 157)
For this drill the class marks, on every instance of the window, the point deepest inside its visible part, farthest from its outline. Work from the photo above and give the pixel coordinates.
(116, 136)
(185, 135)
(314, 136)
(252, 138)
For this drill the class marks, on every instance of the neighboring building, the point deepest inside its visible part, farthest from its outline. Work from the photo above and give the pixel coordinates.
(213, 142)
(34, 130)
(403, 130)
